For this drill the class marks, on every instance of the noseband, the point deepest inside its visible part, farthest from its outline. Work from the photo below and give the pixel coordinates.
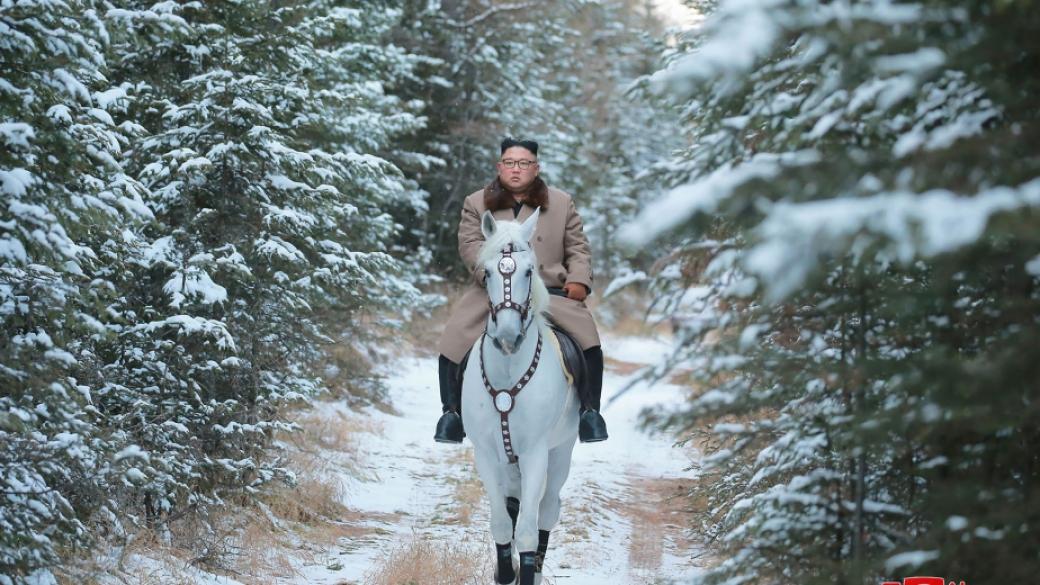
(506, 268)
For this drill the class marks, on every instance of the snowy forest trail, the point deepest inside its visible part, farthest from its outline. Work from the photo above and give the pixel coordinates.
(418, 507)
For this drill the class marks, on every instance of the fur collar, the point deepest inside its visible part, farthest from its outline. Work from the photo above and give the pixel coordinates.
(498, 197)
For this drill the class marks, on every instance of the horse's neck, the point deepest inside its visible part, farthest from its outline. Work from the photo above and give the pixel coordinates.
(504, 369)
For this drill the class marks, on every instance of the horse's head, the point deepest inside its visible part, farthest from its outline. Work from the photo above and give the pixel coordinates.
(516, 294)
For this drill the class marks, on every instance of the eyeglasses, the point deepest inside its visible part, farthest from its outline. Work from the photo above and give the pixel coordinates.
(523, 164)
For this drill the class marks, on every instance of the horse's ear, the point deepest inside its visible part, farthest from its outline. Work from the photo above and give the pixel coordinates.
(488, 225)
(527, 228)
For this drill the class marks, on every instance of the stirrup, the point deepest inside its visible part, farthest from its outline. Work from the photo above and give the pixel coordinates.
(449, 428)
(591, 427)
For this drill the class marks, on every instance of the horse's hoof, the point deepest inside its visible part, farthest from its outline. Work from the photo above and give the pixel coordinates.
(510, 577)
(527, 562)
(505, 570)
(511, 581)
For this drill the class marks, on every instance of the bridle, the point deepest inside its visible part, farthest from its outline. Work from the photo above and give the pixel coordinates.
(505, 400)
(506, 268)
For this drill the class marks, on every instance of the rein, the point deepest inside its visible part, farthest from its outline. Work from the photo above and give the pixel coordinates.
(505, 400)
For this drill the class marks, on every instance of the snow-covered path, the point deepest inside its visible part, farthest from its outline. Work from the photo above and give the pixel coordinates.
(620, 523)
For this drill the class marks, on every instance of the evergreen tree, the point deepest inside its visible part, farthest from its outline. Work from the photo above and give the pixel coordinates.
(260, 120)
(562, 73)
(360, 61)
(859, 221)
(492, 69)
(65, 198)
(622, 130)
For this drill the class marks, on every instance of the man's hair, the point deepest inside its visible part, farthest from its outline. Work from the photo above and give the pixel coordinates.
(528, 144)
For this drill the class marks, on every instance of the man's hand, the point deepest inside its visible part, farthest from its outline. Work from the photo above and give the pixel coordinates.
(576, 291)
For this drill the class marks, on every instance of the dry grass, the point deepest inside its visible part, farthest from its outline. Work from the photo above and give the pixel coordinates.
(468, 492)
(340, 367)
(337, 433)
(582, 514)
(702, 491)
(326, 444)
(313, 510)
(171, 564)
(259, 541)
(677, 377)
(424, 330)
(620, 367)
(663, 512)
(257, 548)
(658, 510)
(421, 561)
(235, 542)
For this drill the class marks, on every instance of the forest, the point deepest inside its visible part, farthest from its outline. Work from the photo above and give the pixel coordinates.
(835, 206)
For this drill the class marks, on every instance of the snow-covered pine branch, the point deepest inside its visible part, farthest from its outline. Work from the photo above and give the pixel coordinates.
(865, 341)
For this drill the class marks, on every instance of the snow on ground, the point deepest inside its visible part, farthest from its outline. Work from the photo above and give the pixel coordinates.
(617, 525)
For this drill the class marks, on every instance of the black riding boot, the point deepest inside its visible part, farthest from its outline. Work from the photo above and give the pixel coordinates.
(591, 426)
(449, 427)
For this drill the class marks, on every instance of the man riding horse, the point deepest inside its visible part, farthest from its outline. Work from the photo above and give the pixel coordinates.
(565, 264)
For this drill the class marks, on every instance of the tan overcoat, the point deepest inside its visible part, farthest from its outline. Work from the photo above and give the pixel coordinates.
(563, 256)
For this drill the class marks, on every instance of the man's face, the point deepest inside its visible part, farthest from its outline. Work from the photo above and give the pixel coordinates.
(517, 178)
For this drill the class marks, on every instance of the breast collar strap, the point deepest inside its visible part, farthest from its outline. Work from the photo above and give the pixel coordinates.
(505, 400)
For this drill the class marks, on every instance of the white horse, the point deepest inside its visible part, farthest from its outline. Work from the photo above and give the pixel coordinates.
(518, 407)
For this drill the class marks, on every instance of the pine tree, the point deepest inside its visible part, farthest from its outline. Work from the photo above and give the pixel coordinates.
(491, 70)
(858, 226)
(65, 202)
(621, 130)
(558, 72)
(360, 61)
(258, 124)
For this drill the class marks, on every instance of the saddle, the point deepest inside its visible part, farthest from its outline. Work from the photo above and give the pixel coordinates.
(573, 358)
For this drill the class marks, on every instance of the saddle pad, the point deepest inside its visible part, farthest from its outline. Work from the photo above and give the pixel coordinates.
(571, 357)
(559, 353)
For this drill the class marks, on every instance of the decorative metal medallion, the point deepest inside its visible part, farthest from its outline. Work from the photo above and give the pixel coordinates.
(507, 265)
(503, 401)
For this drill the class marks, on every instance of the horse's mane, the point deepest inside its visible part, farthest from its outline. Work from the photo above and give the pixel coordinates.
(508, 232)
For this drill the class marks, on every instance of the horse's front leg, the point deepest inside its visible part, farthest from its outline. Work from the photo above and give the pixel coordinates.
(549, 511)
(533, 470)
(492, 475)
